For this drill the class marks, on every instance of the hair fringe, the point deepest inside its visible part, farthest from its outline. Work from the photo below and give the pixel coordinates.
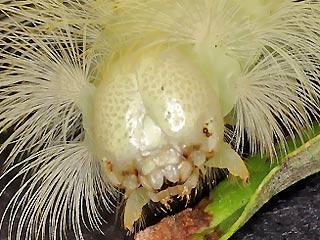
(45, 63)
(49, 53)
(67, 180)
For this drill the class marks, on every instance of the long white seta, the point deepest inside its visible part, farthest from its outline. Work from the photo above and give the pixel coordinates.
(102, 97)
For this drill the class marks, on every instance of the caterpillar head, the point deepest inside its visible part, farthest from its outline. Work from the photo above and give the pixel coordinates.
(155, 123)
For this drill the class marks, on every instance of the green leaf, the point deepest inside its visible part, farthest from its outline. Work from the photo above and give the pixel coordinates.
(232, 203)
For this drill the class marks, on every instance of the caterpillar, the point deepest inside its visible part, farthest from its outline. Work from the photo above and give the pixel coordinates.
(146, 97)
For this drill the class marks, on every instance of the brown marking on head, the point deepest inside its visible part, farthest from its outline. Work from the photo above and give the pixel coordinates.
(210, 154)
(185, 155)
(136, 172)
(206, 132)
(109, 166)
(126, 173)
(188, 150)
(196, 147)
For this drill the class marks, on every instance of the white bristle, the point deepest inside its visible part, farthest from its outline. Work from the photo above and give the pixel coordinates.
(52, 54)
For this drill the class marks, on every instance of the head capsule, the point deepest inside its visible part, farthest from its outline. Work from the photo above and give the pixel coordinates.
(155, 123)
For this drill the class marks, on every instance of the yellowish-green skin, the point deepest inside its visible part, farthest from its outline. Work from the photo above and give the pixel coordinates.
(150, 111)
(157, 121)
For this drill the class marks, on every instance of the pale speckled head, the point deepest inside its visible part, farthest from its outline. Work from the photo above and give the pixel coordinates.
(156, 121)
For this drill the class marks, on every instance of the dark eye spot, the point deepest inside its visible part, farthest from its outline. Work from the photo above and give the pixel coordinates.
(206, 132)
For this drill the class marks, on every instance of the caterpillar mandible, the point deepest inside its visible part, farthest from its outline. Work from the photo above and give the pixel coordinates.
(135, 95)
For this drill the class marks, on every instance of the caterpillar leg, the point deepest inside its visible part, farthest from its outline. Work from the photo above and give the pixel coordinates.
(136, 200)
(230, 159)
